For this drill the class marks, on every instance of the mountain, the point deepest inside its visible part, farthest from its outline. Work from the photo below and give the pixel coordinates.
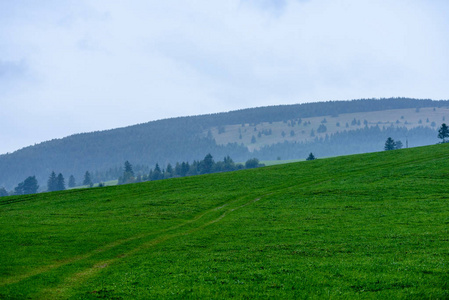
(284, 131)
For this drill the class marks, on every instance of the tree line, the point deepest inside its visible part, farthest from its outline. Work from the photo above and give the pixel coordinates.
(205, 166)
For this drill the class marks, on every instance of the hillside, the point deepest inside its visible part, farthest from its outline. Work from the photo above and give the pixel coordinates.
(361, 226)
(300, 130)
(268, 133)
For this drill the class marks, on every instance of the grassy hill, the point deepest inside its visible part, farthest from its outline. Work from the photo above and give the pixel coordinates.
(362, 226)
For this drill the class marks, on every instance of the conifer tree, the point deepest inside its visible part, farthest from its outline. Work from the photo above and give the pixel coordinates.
(311, 156)
(169, 171)
(157, 173)
(185, 168)
(128, 174)
(60, 183)
(72, 182)
(443, 132)
(207, 164)
(390, 144)
(52, 183)
(87, 179)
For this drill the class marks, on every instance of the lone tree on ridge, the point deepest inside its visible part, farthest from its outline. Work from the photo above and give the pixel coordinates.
(389, 144)
(443, 132)
(311, 156)
(87, 180)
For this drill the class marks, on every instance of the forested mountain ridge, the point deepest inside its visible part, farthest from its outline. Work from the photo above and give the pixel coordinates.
(186, 139)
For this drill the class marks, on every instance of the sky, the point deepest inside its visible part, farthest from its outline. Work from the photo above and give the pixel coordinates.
(71, 66)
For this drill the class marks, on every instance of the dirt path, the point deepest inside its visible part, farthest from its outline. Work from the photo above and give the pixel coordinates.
(104, 248)
(76, 279)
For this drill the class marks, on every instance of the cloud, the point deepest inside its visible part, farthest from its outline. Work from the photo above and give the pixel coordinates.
(274, 6)
(11, 70)
(91, 65)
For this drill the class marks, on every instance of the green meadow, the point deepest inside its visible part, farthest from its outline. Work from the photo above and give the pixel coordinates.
(362, 226)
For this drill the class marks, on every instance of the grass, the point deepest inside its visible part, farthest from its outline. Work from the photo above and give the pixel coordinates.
(279, 161)
(362, 226)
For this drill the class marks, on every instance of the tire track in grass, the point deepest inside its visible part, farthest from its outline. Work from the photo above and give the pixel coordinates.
(69, 283)
(47, 268)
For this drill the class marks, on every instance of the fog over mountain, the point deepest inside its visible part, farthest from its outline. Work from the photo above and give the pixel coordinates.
(79, 66)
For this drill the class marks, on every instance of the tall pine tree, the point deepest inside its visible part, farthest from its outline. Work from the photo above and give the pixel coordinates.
(87, 180)
(52, 183)
(72, 182)
(128, 174)
(60, 183)
(390, 144)
(443, 132)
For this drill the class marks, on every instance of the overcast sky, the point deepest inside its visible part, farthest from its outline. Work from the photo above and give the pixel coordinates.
(83, 65)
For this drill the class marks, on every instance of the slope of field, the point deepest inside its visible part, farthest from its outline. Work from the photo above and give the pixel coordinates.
(361, 226)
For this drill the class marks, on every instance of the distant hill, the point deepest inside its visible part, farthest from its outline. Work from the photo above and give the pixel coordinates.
(285, 131)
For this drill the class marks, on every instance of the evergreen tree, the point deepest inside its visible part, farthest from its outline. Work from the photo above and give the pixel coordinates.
(398, 145)
(311, 156)
(443, 132)
(322, 128)
(60, 183)
(128, 174)
(207, 164)
(185, 168)
(87, 179)
(52, 183)
(156, 174)
(390, 144)
(228, 164)
(72, 182)
(169, 171)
